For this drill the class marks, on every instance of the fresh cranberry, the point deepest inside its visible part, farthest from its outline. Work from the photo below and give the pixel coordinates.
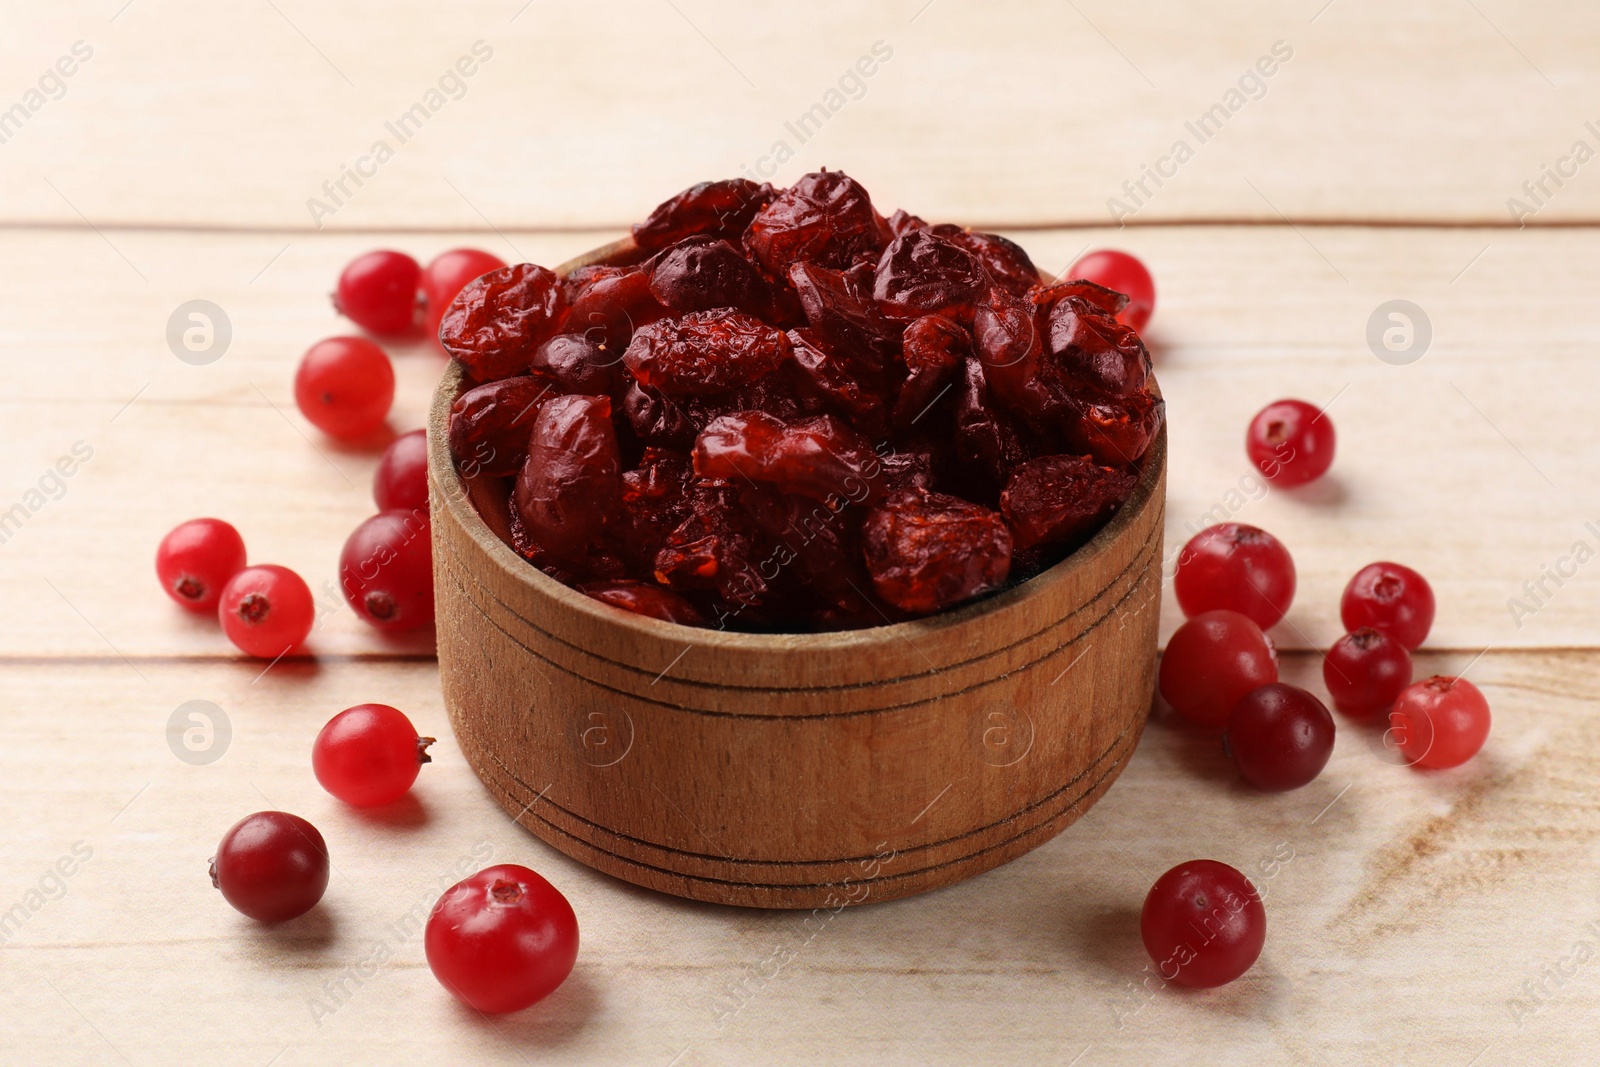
(345, 386)
(196, 560)
(378, 291)
(1291, 442)
(446, 275)
(272, 866)
(1365, 671)
(1440, 722)
(401, 481)
(1122, 273)
(1236, 567)
(1280, 737)
(266, 610)
(1203, 924)
(1391, 598)
(502, 939)
(386, 570)
(1212, 661)
(369, 755)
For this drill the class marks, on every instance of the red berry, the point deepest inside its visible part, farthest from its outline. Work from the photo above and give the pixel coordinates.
(448, 274)
(272, 866)
(1203, 924)
(1124, 274)
(1211, 661)
(1291, 442)
(196, 560)
(1365, 671)
(1391, 598)
(502, 940)
(266, 610)
(378, 291)
(401, 481)
(344, 386)
(1236, 567)
(1280, 737)
(369, 755)
(386, 570)
(1440, 722)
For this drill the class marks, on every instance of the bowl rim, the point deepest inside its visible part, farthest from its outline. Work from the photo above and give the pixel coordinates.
(452, 491)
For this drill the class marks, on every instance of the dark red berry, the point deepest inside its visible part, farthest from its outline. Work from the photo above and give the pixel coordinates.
(401, 480)
(927, 551)
(1203, 924)
(1440, 722)
(446, 275)
(1212, 661)
(386, 570)
(196, 559)
(378, 291)
(502, 940)
(266, 610)
(1280, 737)
(369, 755)
(645, 598)
(1236, 567)
(1291, 442)
(345, 386)
(272, 866)
(1366, 671)
(495, 323)
(1122, 273)
(1391, 598)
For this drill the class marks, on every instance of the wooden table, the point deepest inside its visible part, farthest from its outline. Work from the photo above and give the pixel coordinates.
(1448, 918)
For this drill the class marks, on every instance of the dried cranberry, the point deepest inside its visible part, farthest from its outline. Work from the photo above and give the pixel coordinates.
(921, 273)
(903, 222)
(1062, 499)
(716, 548)
(846, 321)
(656, 420)
(489, 425)
(655, 501)
(496, 322)
(934, 349)
(831, 380)
(1115, 430)
(907, 470)
(608, 305)
(818, 547)
(819, 457)
(704, 273)
(705, 352)
(572, 482)
(720, 209)
(986, 438)
(927, 551)
(825, 218)
(643, 598)
(1007, 265)
(577, 365)
(1089, 345)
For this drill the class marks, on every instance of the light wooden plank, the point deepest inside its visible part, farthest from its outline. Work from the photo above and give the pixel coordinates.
(1443, 463)
(1016, 112)
(1384, 887)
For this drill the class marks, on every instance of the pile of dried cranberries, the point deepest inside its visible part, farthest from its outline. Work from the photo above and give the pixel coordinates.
(778, 410)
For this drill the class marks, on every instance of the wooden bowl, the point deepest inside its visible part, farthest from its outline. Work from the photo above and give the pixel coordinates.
(792, 770)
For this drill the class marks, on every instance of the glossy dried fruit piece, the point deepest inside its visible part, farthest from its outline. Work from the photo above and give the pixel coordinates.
(490, 424)
(720, 209)
(934, 349)
(1115, 430)
(825, 218)
(643, 598)
(705, 352)
(987, 440)
(577, 365)
(571, 483)
(655, 501)
(495, 323)
(846, 322)
(921, 273)
(831, 381)
(1007, 265)
(704, 273)
(1062, 499)
(818, 548)
(1088, 345)
(819, 457)
(607, 305)
(927, 551)
(716, 548)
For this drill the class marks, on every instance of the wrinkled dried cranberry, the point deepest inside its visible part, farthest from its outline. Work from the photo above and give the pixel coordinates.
(643, 598)
(906, 470)
(656, 420)
(1090, 346)
(987, 440)
(927, 551)
(655, 501)
(1007, 265)
(715, 548)
(818, 457)
(1062, 499)
(576, 365)
(817, 548)
(846, 321)
(831, 380)
(1107, 300)
(490, 424)
(921, 273)
(720, 209)
(571, 483)
(496, 322)
(825, 218)
(705, 352)
(903, 222)
(609, 305)
(703, 273)
(1116, 431)
(934, 349)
